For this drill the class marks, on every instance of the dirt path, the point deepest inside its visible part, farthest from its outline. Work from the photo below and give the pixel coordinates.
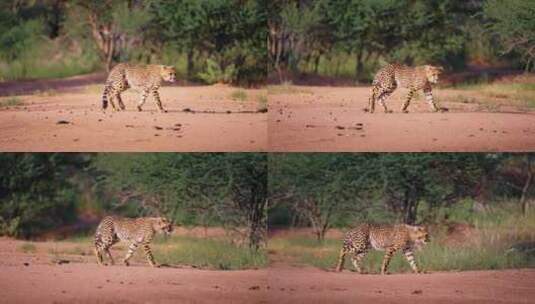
(309, 285)
(202, 118)
(37, 277)
(331, 120)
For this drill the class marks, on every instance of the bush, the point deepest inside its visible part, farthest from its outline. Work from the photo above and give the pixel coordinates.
(214, 73)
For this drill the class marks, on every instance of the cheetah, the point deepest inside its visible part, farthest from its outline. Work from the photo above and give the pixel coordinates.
(139, 231)
(393, 76)
(388, 238)
(146, 79)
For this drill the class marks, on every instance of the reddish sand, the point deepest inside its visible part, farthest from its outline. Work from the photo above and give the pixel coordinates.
(38, 278)
(331, 119)
(201, 118)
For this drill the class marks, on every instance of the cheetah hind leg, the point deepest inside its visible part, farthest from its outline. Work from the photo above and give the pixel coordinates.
(382, 98)
(357, 262)
(371, 101)
(341, 257)
(131, 249)
(120, 101)
(100, 259)
(144, 96)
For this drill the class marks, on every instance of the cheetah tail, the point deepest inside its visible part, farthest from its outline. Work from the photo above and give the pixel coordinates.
(105, 97)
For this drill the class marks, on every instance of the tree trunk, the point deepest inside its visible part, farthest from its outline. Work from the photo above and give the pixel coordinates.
(527, 184)
(189, 66)
(359, 66)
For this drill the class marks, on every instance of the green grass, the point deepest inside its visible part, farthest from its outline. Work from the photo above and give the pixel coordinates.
(286, 88)
(262, 101)
(11, 102)
(179, 250)
(488, 248)
(495, 94)
(27, 248)
(239, 95)
(208, 253)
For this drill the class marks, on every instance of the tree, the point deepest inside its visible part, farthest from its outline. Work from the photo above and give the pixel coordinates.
(115, 26)
(319, 187)
(512, 22)
(36, 192)
(230, 33)
(229, 188)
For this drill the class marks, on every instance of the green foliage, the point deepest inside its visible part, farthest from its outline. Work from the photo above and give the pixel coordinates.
(512, 22)
(216, 74)
(229, 32)
(35, 193)
(11, 102)
(239, 95)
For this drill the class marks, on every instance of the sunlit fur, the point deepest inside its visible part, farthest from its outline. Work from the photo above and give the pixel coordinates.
(388, 238)
(136, 232)
(146, 79)
(394, 76)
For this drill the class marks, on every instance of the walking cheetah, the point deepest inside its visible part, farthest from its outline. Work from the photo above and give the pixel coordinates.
(393, 76)
(139, 231)
(385, 238)
(146, 79)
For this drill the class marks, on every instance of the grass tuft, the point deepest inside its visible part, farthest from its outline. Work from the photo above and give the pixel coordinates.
(28, 248)
(11, 102)
(239, 95)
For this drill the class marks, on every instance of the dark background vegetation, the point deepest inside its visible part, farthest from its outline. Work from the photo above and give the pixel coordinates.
(206, 40)
(352, 38)
(40, 192)
(325, 190)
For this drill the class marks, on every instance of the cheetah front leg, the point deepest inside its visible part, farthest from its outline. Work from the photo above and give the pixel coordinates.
(430, 100)
(410, 258)
(386, 260)
(407, 101)
(158, 101)
(149, 255)
(144, 96)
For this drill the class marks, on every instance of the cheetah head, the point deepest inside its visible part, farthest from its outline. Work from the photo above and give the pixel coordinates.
(432, 73)
(418, 235)
(163, 225)
(168, 73)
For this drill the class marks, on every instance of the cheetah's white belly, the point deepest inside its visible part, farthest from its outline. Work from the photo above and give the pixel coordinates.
(376, 245)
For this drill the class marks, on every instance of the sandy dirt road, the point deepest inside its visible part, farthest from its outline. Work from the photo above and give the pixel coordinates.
(199, 118)
(331, 119)
(37, 277)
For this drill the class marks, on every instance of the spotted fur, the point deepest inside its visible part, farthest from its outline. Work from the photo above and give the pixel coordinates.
(136, 232)
(390, 239)
(393, 76)
(146, 79)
